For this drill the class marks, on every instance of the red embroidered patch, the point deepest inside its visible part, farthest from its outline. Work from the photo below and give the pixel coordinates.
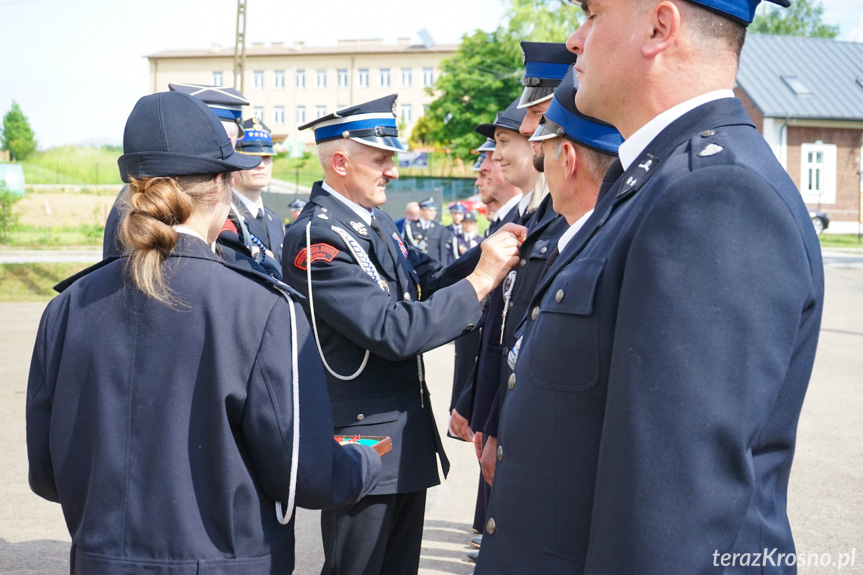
(228, 226)
(324, 252)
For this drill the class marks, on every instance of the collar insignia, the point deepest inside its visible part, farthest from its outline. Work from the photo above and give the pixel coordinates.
(710, 150)
(360, 228)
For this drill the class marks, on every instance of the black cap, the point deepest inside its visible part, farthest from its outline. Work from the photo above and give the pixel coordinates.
(173, 134)
(545, 65)
(371, 123)
(510, 119)
(226, 103)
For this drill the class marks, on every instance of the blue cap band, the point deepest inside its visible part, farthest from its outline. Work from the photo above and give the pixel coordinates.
(336, 131)
(598, 136)
(227, 114)
(545, 70)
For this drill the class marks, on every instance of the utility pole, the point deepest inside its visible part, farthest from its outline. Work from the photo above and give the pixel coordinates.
(240, 47)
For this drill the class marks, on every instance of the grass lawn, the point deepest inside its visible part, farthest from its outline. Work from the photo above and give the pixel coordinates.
(74, 165)
(840, 241)
(33, 282)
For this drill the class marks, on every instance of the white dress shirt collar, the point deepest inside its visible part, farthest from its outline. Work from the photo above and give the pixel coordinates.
(251, 205)
(637, 142)
(504, 209)
(362, 212)
(571, 231)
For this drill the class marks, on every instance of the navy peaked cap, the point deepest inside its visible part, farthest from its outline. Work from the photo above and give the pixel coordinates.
(458, 207)
(371, 123)
(478, 165)
(256, 140)
(562, 119)
(428, 204)
(545, 65)
(470, 216)
(298, 205)
(510, 119)
(743, 11)
(174, 134)
(226, 103)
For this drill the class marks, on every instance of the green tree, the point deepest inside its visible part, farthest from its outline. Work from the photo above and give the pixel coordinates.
(802, 18)
(17, 136)
(483, 76)
(7, 200)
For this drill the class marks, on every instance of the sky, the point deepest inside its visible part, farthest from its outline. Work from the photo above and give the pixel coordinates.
(77, 67)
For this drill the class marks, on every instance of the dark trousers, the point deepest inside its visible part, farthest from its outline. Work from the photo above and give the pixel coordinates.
(380, 535)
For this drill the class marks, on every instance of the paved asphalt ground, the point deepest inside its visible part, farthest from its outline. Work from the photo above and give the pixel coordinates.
(826, 505)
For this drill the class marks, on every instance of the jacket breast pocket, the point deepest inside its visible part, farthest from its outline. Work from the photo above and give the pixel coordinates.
(563, 345)
(365, 415)
(542, 249)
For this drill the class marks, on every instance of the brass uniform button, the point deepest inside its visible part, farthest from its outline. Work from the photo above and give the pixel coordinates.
(490, 526)
(511, 382)
(558, 297)
(534, 313)
(522, 263)
(360, 417)
(499, 453)
(543, 249)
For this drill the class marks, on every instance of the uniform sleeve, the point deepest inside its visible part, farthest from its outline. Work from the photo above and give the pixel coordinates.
(328, 474)
(716, 293)
(434, 277)
(346, 296)
(39, 406)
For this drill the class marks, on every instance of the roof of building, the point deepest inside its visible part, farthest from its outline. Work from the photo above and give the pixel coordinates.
(803, 78)
(300, 49)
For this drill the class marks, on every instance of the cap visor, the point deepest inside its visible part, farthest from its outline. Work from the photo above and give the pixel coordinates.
(384, 143)
(544, 132)
(256, 150)
(533, 96)
(488, 146)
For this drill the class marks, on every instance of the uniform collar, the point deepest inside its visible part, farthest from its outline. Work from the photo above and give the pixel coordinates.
(505, 209)
(631, 149)
(524, 202)
(355, 207)
(572, 230)
(251, 205)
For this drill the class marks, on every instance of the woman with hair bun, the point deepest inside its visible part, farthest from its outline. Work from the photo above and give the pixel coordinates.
(176, 405)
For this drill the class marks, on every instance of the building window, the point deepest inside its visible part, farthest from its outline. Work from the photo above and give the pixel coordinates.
(279, 80)
(301, 115)
(217, 79)
(406, 77)
(428, 77)
(385, 77)
(259, 79)
(301, 79)
(818, 173)
(320, 111)
(321, 79)
(343, 78)
(363, 77)
(406, 115)
(279, 115)
(259, 112)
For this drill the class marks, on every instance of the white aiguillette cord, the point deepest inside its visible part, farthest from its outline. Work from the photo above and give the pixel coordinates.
(283, 518)
(332, 372)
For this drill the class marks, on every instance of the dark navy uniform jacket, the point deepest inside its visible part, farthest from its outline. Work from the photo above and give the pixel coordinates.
(166, 434)
(662, 369)
(110, 242)
(268, 229)
(546, 227)
(356, 313)
(432, 241)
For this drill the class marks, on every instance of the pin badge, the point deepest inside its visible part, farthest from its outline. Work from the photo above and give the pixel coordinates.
(710, 150)
(360, 228)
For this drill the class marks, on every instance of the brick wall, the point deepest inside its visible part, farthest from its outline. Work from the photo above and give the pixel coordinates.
(848, 142)
(757, 117)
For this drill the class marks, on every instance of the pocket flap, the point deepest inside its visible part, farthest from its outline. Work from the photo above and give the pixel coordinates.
(364, 411)
(573, 291)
